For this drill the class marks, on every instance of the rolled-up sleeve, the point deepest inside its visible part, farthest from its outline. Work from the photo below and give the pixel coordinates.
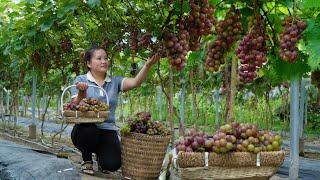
(119, 82)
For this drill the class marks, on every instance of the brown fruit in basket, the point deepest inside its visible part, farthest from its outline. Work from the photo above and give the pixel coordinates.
(223, 142)
(94, 101)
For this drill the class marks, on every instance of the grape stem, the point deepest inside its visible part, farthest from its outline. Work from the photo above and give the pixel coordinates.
(165, 93)
(219, 3)
(274, 36)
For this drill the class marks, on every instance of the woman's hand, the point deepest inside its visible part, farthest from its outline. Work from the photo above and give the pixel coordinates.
(82, 86)
(152, 60)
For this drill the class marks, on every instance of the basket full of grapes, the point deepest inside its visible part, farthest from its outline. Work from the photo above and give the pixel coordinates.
(143, 146)
(235, 151)
(89, 110)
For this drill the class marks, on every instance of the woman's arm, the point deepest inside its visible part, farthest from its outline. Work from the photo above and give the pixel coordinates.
(130, 83)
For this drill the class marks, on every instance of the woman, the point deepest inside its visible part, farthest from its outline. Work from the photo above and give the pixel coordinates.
(102, 138)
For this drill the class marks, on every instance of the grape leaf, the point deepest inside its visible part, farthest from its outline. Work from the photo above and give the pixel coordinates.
(311, 4)
(94, 3)
(312, 38)
(287, 70)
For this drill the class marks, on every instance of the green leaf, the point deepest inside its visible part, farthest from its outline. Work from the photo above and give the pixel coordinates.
(31, 1)
(31, 32)
(185, 7)
(311, 4)
(312, 38)
(214, 2)
(70, 6)
(286, 70)
(93, 3)
(6, 51)
(196, 56)
(46, 25)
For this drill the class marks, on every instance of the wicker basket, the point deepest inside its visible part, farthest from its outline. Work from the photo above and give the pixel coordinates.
(142, 155)
(236, 165)
(76, 117)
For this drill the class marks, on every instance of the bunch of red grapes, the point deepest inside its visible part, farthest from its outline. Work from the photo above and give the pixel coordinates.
(228, 31)
(76, 63)
(66, 45)
(138, 40)
(36, 58)
(293, 27)
(200, 21)
(252, 51)
(190, 29)
(229, 138)
(177, 47)
(315, 78)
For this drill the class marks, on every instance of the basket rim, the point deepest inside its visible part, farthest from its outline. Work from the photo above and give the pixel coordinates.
(143, 135)
(206, 157)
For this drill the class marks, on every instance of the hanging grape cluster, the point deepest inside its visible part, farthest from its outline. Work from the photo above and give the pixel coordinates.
(138, 40)
(315, 78)
(228, 31)
(106, 43)
(76, 66)
(134, 68)
(199, 22)
(293, 27)
(66, 44)
(177, 48)
(36, 58)
(190, 29)
(252, 51)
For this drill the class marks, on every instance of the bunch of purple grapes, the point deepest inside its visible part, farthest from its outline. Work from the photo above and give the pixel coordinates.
(293, 27)
(177, 47)
(200, 21)
(228, 31)
(141, 123)
(66, 45)
(252, 51)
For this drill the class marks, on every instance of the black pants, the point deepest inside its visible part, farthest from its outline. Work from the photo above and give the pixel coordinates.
(105, 143)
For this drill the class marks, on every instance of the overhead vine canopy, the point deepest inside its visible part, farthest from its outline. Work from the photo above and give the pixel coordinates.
(50, 35)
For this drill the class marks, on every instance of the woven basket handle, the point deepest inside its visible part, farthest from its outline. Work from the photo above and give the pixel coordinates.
(65, 89)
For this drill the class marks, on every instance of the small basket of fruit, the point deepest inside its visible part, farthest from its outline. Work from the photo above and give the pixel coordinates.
(89, 110)
(235, 151)
(143, 147)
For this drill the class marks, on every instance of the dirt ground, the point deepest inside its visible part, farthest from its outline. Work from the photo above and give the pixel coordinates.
(75, 157)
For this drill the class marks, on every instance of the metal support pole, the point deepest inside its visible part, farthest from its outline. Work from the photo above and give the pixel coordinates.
(294, 128)
(182, 95)
(217, 109)
(159, 95)
(1, 106)
(301, 107)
